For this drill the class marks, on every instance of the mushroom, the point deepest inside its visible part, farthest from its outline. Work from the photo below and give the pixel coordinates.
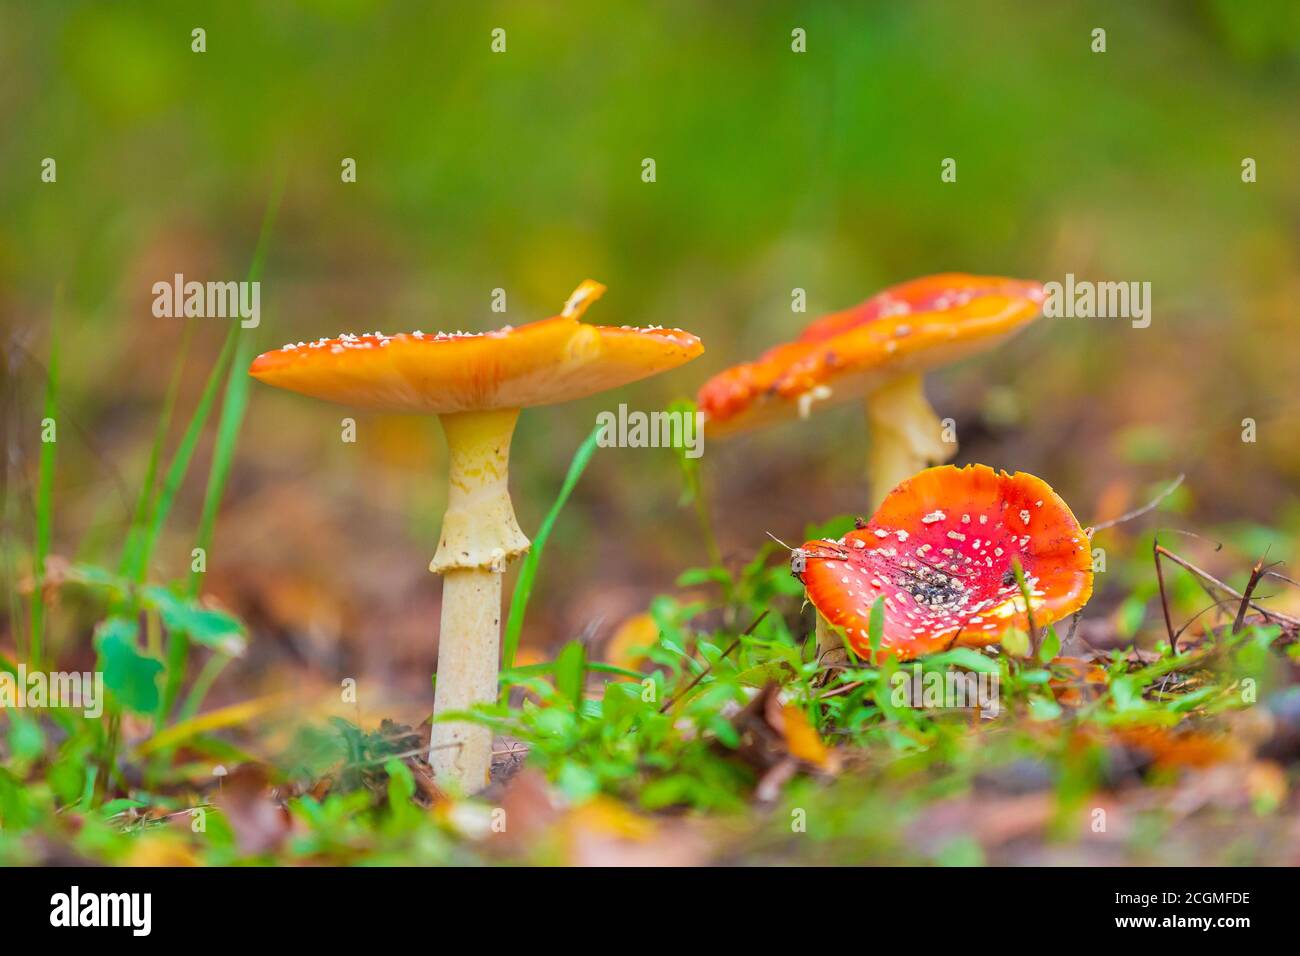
(476, 383)
(877, 352)
(940, 553)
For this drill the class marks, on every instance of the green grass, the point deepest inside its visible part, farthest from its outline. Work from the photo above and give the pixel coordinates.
(673, 733)
(44, 502)
(670, 735)
(532, 561)
(235, 402)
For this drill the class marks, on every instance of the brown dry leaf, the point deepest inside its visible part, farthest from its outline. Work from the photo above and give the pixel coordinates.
(802, 738)
(1083, 681)
(771, 783)
(1189, 748)
(604, 832)
(259, 821)
(607, 816)
(529, 811)
(776, 739)
(628, 645)
(526, 656)
(161, 851)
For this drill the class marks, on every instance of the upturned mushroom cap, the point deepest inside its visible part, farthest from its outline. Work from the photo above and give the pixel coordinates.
(541, 363)
(910, 327)
(939, 551)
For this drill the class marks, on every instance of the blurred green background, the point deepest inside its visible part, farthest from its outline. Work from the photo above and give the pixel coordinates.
(522, 170)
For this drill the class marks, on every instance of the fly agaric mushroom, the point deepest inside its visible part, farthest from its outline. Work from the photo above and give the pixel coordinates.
(940, 553)
(877, 352)
(476, 383)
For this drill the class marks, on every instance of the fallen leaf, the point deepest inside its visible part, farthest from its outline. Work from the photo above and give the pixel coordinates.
(259, 821)
(628, 645)
(802, 738)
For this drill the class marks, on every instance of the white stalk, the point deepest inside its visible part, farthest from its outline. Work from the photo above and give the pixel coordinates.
(480, 537)
(905, 435)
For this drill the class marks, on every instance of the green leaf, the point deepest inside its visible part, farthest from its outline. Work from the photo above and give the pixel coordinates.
(1127, 694)
(571, 672)
(622, 703)
(1044, 708)
(401, 783)
(968, 658)
(577, 781)
(1015, 642)
(528, 570)
(132, 677)
(690, 467)
(26, 740)
(876, 626)
(1051, 645)
(114, 807)
(206, 626)
(725, 731)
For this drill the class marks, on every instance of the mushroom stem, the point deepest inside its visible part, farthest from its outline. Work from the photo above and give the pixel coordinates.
(830, 646)
(480, 537)
(905, 435)
(468, 653)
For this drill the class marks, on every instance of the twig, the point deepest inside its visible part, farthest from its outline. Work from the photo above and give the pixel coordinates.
(778, 541)
(842, 689)
(1256, 573)
(1193, 619)
(1149, 506)
(1282, 577)
(1156, 551)
(1228, 589)
(701, 675)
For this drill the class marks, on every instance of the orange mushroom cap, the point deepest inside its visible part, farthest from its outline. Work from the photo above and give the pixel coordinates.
(909, 327)
(940, 553)
(541, 363)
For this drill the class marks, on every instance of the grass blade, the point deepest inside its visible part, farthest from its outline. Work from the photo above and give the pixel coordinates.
(181, 461)
(232, 365)
(235, 402)
(44, 502)
(528, 571)
(140, 517)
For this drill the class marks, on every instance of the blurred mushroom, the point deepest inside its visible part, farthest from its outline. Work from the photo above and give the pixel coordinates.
(940, 552)
(877, 352)
(476, 383)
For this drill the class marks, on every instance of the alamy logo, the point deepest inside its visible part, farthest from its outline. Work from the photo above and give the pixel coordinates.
(652, 430)
(208, 300)
(936, 690)
(60, 689)
(133, 910)
(1098, 300)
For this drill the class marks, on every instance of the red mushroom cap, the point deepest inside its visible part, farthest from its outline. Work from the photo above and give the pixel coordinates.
(943, 292)
(940, 553)
(910, 327)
